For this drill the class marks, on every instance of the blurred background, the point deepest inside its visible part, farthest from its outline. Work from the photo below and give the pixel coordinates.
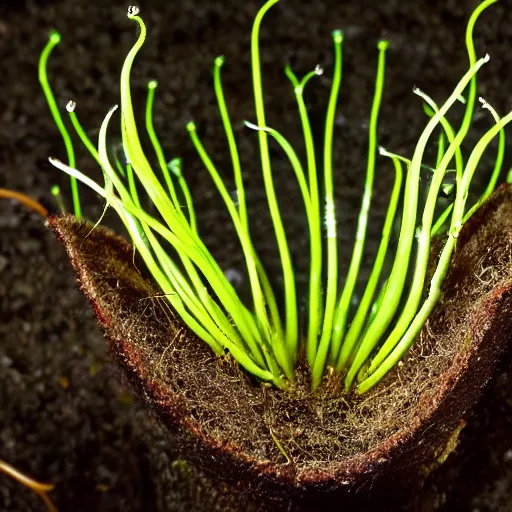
(64, 415)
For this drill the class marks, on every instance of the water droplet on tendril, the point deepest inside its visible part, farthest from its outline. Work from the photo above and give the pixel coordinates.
(235, 277)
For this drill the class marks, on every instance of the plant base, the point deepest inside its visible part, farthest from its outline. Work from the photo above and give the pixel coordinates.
(340, 447)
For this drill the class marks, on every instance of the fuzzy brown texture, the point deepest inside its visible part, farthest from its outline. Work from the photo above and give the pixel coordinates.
(383, 442)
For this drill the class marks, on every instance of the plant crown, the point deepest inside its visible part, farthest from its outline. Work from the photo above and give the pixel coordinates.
(265, 340)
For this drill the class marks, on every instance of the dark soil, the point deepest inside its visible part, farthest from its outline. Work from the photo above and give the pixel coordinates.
(65, 418)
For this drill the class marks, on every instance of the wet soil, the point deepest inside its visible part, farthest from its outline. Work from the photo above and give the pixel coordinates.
(65, 417)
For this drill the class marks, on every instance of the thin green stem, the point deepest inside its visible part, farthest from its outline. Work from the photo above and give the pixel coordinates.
(240, 191)
(230, 136)
(175, 166)
(330, 222)
(53, 41)
(247, 247)
(491, 185)
(345, 300)
(152, 85)
(416, 291)
(431, 109)
(290, 298)
(314, 219)
(303, 185)
(86, 141)
(392, 357)
(361, 316)
(471, 97)
(398, 273)
(182, 234)
(56, 193)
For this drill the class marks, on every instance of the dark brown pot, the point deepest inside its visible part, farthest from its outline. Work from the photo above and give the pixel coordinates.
(342, 449)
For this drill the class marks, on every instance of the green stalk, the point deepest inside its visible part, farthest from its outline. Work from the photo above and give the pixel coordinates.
(53, 41)
(182, 235)
(175, 166)
(466, 122)
(360, 318)
(314, 219)
(303, 185)
(413, 301)
(248, 250)
(431, 108)
(152, 85)
(290, 299)
(497, 166)
(55, 190)
(230, 136)
(86, 141)
(416, 291)
(330, 223)
(219, 318)
(388, 360)
(240, 190)
(189, 255)
(399, 271)
(355, 263)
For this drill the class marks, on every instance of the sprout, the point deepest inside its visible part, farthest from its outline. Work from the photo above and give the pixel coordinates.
(53, 41)
(263, 341)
